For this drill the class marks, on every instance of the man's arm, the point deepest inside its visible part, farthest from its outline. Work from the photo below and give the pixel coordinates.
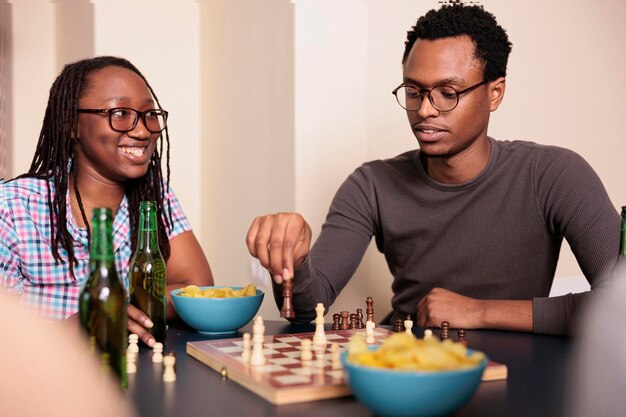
(469, 313)
(320, 274)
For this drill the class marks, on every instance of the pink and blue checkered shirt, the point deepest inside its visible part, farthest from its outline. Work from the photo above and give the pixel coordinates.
(27, 266)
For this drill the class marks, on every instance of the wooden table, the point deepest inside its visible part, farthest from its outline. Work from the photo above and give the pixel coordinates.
(535, 386)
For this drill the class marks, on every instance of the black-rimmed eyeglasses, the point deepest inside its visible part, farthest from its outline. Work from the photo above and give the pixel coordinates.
(124, 119)
(443, 98)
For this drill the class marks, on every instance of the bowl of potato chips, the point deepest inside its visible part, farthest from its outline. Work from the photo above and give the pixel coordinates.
(217, 309)
(405, 376)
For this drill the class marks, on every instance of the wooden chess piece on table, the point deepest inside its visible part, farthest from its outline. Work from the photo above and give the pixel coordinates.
(408, 325)
(397, 325)
(287, 310)
(445, 327)
(345, 324)
(359, 321)
(336, 320)
(461, 335)
(369, 301)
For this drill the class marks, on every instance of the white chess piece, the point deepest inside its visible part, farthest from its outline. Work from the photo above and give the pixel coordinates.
(334, 356)
(369, 332)
(408, 325)
(320, 352)
(258, 331)
(319, 338)
(133, 343)
(245, 355)
(428, 334)
(157, 352)
(131, 362)
(305, 350)
(169, 373)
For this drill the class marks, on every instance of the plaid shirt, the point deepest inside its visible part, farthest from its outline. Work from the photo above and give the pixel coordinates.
(27, 266)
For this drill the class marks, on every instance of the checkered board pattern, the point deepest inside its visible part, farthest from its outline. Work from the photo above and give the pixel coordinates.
(284, 378)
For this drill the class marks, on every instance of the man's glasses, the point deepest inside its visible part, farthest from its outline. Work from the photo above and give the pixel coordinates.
(124, 119)
(443, 98)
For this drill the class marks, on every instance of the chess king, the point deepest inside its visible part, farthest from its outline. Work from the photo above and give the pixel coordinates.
(421, 205)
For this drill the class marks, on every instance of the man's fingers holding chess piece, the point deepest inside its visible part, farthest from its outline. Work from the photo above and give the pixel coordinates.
(279, 241)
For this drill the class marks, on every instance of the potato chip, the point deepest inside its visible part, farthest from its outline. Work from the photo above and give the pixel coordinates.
(224, 292)
(404, 352)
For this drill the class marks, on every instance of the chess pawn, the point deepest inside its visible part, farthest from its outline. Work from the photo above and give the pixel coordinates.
(133, 343)
(169, 372)
(258, 330)
(369, 332)
(157, 352)
(319, 359)
(319, 338)
(247, 347)
(445, 326)
(462, 339)
(408, 326)
(305, 350)
(359, 319)
(428, 334)
(352, 324)
(131, 362)
(336, 320)
(334, 356)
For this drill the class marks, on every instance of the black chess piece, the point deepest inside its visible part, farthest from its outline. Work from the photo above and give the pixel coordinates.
(445, 327)
(359, 319)
(398, 325)
(336, 320)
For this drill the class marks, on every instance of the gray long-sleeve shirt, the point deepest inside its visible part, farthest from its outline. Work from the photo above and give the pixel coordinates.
(497, 236)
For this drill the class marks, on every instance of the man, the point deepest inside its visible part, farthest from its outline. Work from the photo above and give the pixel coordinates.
(470, 227)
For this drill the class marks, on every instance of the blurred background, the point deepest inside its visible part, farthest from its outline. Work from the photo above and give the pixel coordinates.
(273, 103)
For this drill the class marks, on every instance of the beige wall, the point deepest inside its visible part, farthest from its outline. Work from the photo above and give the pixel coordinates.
(274, 102)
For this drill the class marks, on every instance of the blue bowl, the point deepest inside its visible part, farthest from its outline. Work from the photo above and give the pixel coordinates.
(217, 315)
(398, 393)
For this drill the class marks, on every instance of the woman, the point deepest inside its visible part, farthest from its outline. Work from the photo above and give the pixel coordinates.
(97, 148)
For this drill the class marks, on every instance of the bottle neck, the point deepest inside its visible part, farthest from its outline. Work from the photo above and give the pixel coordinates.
(102, 239)
(148, 239)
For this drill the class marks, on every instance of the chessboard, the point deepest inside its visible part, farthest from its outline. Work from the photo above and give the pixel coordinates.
(285, 379)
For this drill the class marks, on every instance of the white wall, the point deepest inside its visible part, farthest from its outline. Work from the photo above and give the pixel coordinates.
(274, 102)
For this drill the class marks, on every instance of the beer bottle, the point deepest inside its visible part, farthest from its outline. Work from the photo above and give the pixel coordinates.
(148, 273)
(102, 302)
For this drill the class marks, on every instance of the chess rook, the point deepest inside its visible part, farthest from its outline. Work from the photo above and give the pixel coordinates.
(345, 324)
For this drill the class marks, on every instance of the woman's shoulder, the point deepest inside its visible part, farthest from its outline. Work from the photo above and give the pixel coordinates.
(23, 188)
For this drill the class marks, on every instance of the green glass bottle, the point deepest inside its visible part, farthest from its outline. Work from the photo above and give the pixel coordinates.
(102, 304)
(148, 272)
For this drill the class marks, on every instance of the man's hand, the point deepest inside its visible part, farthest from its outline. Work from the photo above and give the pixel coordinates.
(280, 242)
(469, 313)
(443, 305)
(138, 323)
